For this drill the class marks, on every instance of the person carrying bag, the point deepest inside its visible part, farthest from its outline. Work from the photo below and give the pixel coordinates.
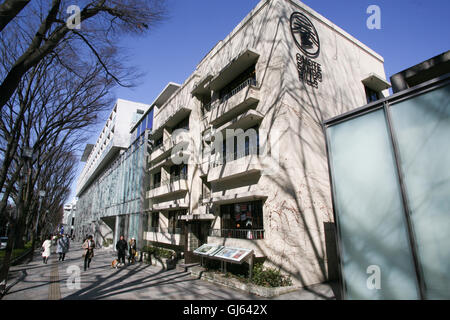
(88, 252)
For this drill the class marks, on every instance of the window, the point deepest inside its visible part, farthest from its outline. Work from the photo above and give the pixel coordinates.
(248, 148)
(150, 120)
(174, 222)
(371, 94)
(158, 142)
(157, 180)
(178, 172)
(242, 220)
(155, 220)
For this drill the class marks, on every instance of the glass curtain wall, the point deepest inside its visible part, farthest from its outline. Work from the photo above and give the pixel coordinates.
(390, 172)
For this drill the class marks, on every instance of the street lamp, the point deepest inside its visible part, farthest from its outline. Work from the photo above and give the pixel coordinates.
(41, 195)
(27, 155)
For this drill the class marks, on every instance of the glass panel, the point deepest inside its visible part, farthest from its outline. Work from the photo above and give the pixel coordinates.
(150, 120)
(422, 128)
(369, 210)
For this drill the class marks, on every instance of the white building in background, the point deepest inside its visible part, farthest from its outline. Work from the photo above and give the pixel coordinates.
(68, 221)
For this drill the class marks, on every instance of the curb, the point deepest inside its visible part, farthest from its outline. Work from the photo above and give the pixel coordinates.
(26, 253)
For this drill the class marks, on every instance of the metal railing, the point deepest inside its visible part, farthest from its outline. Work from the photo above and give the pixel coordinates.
(205, 196)
(170, 230)
(234, 156)
(206, 107)
(168, 143)
(250, 234)
(181, 176)
(232, 92)
(169, 181)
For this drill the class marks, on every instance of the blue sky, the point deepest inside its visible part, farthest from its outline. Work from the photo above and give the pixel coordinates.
(411, 31)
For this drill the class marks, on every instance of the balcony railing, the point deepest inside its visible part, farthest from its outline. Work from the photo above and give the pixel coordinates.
(206, 107)
(169, 181)
(246, 83)
(205, 196)
(170, 230)
(234, 156)
(250, 234)
(173, 179)
(165, 230)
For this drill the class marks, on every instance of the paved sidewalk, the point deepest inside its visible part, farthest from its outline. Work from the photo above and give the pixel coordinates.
(57, 280)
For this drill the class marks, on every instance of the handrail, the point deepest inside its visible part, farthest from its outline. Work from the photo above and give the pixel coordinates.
(234, 156)
(250, 234)
(247, 82)
(213, 104)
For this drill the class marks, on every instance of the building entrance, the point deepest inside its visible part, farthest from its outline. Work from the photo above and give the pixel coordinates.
(197, 235)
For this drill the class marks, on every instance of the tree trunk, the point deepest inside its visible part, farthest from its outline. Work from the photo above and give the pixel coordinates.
(8, 252)
(9, 9)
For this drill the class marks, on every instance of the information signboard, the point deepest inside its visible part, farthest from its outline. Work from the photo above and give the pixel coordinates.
(236, 255)
(207, 249)
(230, 254)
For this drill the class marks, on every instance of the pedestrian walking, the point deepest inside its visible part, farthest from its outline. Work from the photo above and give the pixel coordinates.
(121, 247)
(62, 246)
(88, 253)
(46, 249)
(132, 251)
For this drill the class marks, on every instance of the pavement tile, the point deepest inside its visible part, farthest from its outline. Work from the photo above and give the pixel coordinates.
(139, 281)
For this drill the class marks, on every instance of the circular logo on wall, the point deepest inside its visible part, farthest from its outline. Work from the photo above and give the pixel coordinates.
(305, 35)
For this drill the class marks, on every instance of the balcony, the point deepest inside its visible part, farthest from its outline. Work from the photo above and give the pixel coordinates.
(249, 192)
(163, 150)
(170, 116)
(240, 166)
(237, 101)
(170, 205)
(249, 234)
(174, 185)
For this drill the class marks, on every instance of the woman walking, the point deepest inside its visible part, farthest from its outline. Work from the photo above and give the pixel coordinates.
(88, 254)
(132, 251)
(46, 249)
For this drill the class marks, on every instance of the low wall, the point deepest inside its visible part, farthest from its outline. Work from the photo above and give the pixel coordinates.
(236, 284)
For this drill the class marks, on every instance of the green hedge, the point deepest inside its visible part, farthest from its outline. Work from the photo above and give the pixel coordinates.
(262, 276)
(269, 277)
(16, 252)
(159, 252)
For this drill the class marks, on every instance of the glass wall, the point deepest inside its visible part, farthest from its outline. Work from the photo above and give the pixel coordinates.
(390, 172)
(422, 128)
(371, 219)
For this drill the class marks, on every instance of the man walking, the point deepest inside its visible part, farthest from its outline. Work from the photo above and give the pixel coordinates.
(121, 247)
(62, 246)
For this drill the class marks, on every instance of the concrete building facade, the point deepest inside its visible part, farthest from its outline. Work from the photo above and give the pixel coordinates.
(238, 153)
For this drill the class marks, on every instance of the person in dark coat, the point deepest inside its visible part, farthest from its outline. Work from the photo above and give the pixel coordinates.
(121, 247)
(63, 245)
(88, 253)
